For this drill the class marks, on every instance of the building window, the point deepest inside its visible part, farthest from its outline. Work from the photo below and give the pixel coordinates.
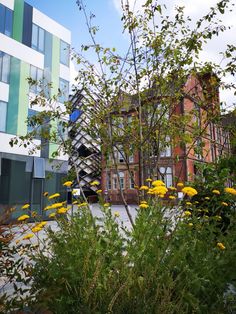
(64, 53)
(166, 152)
(122, 179)
(5, 61)
(3, 115)
(131, 180)
(166, 175)
(62, 130)
(6, 19)
(38, 36)
(32, 126)
(120, 155)
(114, 179)
(36, 75)
(64, 90)
(108, 181)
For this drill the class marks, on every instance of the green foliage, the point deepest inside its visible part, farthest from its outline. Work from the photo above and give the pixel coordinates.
(162, 265)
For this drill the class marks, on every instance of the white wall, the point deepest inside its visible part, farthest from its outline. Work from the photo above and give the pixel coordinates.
(6, 148)
(20, 51)
(4, 92)
(8, 3)
(51, 26)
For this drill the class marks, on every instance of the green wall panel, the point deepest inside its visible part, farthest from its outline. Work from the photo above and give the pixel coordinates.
(12, 110)
(23, 99)
(55, 72)
(18, 20)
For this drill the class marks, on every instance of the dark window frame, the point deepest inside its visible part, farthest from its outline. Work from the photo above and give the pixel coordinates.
(37, 45)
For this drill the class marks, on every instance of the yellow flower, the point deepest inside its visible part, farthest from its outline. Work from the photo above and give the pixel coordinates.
(82, 204)
(116, 214)
(106, 205)
(52, 215)
(94, 183)
(25, 206)
(53, 196)
(62, 210)
(75, 202)
(207, 198)
(159, 190)
(150, 192)
(99, 191)
(172, 197)
(172, 188)
(23, 217)
(216, 192)
(143, 206)
(67, 183)
(144, 188)
(45, 194)
(196, 202)
(224, 204)
(217, 217)
(190, 224)
(41, 224)
(148, 180)
(56, 205)
(28, 236)
(230, 191)
(143, 202)
(187, 213)
(158, 183)
(34, 214)
(189, 191)
(180, 184)
(188, 203)
(221, 246)
(36, 229)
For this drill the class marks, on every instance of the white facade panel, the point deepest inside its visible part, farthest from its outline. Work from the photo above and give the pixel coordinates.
(6, 148)
(4, 92)
(8, 3)
(51, 26)
(20, 51)
(64, 72)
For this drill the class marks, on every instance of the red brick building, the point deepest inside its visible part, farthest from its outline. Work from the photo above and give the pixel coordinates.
(203, 140)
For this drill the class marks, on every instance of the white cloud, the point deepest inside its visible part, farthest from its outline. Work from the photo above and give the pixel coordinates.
(196, 9)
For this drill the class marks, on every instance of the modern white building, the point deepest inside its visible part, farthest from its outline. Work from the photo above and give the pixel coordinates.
(31, 45)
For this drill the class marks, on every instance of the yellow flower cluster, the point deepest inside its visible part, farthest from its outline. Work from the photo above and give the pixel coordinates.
(230, 191)
(224, 204)
(144, 188)
(116, 214)
(189, 191)
(158, 183)
(36, 229)
(143, 206)
(106, 205)
(148, 180)
(94, 183)
(26, 206)
(67, 183)
(172, 197)
(54, 206)
(53, 196)
(99, 191)
(82, 204)
(28, 236)
(180, 185)
(172, 188)
(221, 246)
(52, 215)
(159, 190)
(23, 217)
(216, 192)
(187, 213)
(62, 210)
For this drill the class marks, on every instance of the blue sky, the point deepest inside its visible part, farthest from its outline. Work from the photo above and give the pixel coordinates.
(108, 14)
(66, 12)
